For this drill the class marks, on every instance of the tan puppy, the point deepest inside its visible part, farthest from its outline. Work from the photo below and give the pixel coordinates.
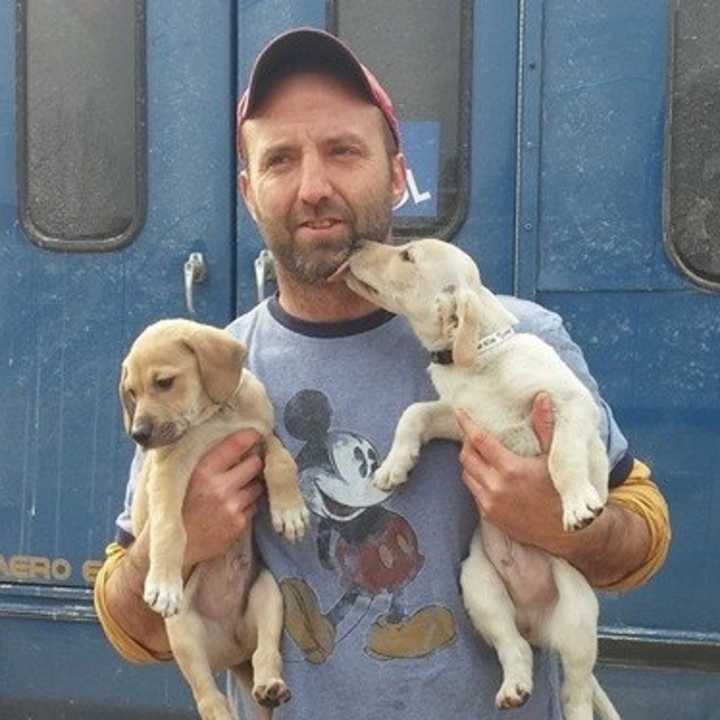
(482, 366)
(184, 388)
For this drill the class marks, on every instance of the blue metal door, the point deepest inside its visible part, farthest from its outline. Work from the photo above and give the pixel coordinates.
(594, 128)
(116, 163)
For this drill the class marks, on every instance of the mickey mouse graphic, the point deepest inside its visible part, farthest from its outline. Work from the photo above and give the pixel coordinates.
(372, 549)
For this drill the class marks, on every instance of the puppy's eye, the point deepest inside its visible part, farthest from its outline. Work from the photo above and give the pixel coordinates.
(406, 256)
(164, 383)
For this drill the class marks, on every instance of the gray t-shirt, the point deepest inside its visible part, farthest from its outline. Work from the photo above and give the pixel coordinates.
(375, 626)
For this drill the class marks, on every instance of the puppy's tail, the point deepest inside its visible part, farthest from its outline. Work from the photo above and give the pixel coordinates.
(602, 704)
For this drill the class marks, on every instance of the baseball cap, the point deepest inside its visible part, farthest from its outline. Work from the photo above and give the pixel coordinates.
(305, 44)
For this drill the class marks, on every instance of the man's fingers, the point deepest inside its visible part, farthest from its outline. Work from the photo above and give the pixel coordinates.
(473, 463)
(487, 445)
(229, 452)
(249, 494)
(241, 475)
(543, 420)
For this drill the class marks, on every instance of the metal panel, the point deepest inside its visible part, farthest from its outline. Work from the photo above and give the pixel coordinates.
(596, 256)
(693, 159)
(67, 321)
(662, 694)
(603, 112)
(81, 122)
(54, 670)
(655, 355)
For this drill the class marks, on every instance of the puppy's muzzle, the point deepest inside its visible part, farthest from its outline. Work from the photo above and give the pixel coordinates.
(142, 431)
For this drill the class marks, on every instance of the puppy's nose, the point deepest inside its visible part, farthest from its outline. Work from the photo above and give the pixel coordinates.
(142, 431)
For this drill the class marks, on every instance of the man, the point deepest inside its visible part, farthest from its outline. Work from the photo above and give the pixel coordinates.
(375, 625)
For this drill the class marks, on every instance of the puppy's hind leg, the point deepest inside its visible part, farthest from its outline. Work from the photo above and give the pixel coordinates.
(187, 639)
(493, 614)
(264, 615)
(244, 675)
(571, 630)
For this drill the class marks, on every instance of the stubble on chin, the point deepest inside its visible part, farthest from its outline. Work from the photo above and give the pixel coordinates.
(312, 266)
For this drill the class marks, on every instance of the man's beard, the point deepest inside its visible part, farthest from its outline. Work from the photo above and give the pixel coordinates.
(313, 265)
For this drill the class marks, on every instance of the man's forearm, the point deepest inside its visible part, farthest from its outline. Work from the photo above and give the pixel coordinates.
(124, 599)
(609, 549)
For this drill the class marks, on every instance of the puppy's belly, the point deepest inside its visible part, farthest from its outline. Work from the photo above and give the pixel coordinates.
(527, 574)
(220, 586)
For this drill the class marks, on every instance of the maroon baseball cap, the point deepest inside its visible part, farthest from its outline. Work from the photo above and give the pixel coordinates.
(286, 50)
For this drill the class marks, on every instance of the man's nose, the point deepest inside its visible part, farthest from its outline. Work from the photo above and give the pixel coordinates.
(314, 181)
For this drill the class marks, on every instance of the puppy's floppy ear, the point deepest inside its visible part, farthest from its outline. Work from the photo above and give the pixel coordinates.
(493, 310)
(220, 358)
(126, 401)
(466, 336)
(476, 307)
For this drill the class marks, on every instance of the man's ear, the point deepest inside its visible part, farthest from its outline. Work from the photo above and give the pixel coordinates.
(220, 358)
(127, 403)
(398, 169)
(247, 193)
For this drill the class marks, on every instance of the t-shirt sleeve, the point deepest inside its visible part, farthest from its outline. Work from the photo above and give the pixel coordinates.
(548, 326)
(124, 534)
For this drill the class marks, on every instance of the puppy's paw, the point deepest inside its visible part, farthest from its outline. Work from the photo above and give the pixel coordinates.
(271, 693)
(580, 507)
(513, 693)
(394, 471)
(164, 596)
(291, 522)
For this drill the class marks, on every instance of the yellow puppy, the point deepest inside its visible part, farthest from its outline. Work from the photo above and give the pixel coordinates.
(184, 387)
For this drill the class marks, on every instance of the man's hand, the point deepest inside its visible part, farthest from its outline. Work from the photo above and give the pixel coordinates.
(517, 495)
(222, 496)
(514, 493)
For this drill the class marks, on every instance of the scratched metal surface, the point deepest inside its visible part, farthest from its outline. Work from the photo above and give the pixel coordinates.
(651, 338)
(66, 321)
(68, 318)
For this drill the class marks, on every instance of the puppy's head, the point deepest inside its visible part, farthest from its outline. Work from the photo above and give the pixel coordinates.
(175, 372)
(435, 285)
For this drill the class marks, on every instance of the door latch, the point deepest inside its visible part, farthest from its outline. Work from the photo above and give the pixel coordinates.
(264, 271)
(195, 272)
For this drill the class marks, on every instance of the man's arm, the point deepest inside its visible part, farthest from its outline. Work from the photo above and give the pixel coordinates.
(517, 495)
(220, 503)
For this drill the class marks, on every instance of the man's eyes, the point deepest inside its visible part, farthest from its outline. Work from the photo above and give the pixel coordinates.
(344, 150)
(277, 160)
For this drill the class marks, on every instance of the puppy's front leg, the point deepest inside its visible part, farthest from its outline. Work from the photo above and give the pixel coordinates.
(288, 512)
(166, 487)
(569, 465)
(419, 424)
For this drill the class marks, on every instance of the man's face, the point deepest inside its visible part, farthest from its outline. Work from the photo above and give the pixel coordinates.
(319, 178)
